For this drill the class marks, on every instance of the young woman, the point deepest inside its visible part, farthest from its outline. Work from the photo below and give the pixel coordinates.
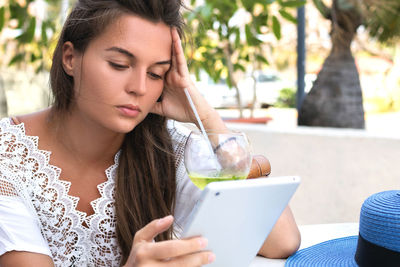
(97, 179)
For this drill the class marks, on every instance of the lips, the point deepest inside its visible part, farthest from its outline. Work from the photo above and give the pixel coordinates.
(129, 110)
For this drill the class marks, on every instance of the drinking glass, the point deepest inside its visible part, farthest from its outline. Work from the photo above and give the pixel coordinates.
(219, 157)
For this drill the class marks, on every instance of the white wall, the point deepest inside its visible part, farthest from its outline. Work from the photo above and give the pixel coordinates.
(339, 168)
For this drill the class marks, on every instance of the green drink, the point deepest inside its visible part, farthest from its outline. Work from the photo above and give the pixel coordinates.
(223, 157)
(201, 181)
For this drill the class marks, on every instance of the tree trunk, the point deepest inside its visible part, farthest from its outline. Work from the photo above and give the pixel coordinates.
(335, 100)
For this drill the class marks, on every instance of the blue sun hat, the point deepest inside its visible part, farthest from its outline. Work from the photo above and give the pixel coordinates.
(378, 242)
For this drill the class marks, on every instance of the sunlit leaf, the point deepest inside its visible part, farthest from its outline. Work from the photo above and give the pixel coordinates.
(248, 33)
(262, 59)
(237, 39)
(287, 16)
(2, 17)
(16, 59)
(19, 13)
(34, 57)
(197, 73)
(27, 36)
(276, 27)
(218, 75)
(259, 21)
(248, 4)
(238, 66)
(44, 33)
(322, 8)
(250, 37)
(293, 3)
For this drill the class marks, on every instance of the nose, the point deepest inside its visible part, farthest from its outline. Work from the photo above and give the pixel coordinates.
(137, 82)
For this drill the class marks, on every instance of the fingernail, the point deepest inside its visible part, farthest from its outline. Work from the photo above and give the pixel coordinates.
(203, 242)
(211, 257)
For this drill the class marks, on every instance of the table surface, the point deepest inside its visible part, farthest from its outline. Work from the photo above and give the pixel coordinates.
(311, 235)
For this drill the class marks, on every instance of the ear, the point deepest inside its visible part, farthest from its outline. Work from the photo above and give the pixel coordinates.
(68, 58)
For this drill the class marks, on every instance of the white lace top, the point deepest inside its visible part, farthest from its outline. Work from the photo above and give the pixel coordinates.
(38, 215)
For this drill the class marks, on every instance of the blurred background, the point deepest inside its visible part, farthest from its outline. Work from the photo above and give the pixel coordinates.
(315, 84)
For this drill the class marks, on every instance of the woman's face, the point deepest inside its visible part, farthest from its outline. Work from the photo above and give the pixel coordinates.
(120, 76)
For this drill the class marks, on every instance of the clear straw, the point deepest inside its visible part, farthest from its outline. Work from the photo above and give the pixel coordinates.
(203, 131)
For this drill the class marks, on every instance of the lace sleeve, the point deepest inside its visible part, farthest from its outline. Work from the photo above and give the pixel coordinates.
(18, 229)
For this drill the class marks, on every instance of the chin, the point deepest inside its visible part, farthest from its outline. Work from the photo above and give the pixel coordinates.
(125, 126)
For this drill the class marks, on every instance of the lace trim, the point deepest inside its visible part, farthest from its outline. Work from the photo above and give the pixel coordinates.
(37, 182)
(25, 170)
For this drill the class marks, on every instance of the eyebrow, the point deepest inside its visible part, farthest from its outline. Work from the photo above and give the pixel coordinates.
(121, 50)
(130, 55)
(164, 62)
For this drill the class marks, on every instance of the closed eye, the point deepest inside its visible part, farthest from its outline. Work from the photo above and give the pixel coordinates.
(117, 66)
(154, 76)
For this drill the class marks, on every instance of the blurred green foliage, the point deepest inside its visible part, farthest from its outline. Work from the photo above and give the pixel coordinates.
(31, 26)
(222, 40)
(228, 36)
(380, 17)
(287, 98)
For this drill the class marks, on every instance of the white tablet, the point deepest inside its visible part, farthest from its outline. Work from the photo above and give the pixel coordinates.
(237, 216)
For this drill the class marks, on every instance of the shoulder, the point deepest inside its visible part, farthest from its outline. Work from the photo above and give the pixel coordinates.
(25, 125)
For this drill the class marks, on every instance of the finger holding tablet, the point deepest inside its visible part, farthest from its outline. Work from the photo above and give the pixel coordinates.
(237, 216)
(184, 252)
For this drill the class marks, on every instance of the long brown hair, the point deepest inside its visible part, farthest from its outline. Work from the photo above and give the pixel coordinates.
(146, 183)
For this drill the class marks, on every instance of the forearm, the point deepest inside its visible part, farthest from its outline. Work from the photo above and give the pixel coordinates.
(209, 117)
(23, 258)
(284, 238)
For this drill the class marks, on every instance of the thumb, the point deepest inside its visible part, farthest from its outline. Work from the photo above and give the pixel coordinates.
(152, 229)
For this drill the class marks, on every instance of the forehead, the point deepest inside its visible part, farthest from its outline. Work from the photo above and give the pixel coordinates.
(142, 37)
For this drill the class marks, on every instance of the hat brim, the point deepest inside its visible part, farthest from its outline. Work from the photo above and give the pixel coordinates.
(335, 252)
